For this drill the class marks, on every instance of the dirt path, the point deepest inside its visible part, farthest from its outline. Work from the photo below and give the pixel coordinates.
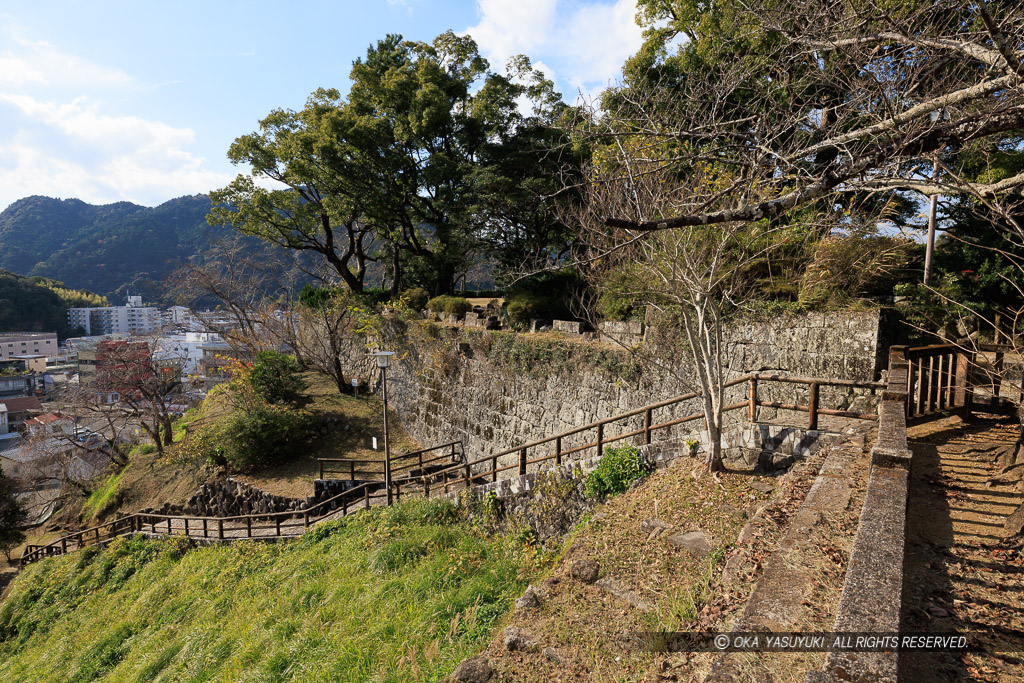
(960, 575)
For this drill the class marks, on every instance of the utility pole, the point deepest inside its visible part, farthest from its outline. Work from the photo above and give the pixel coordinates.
(929, 248)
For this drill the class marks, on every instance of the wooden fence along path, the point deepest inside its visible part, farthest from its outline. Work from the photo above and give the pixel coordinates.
(425, 473)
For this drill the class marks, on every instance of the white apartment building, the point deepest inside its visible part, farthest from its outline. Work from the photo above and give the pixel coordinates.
(187, 349)
(132, 318)
(28, 343)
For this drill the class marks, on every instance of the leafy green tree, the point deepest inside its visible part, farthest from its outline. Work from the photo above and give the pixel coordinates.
(426, 166)
(321, 209)
(275, 376)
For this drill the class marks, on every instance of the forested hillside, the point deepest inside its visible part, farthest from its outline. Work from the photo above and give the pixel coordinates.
(39, 305)
(107, 249)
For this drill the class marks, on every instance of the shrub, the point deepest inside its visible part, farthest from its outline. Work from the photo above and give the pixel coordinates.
(416, 298)
(619, 467)
(449, 305)
(275, 376)
(257, 437)
(523, 307)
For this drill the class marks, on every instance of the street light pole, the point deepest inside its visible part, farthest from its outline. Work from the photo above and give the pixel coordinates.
(387, 443)
(383, 360)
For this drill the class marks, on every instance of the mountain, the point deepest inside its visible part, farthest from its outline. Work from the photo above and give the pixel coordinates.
(39, 305)
(109, 249)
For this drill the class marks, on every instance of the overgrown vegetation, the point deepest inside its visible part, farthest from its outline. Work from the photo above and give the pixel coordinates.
(619, 467)
(395, 594)
(551, 356)
(104, 497)
(265, 425)
(11, 517)
(449, 305)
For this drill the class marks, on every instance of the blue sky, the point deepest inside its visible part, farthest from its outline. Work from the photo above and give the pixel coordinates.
(110, 101)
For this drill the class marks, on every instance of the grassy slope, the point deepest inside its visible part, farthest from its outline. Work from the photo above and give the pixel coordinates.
(151, 481)
(389, 595)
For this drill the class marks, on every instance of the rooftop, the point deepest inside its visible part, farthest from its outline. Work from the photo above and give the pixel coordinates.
(22, 403)
(9, 336)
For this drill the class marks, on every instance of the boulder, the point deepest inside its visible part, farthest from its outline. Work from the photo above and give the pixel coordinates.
(473, 670)
(693, 542)
(585, 571)
(517, 640)
(529, 599)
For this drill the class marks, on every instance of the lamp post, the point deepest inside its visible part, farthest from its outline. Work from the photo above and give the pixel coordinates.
(383, 360)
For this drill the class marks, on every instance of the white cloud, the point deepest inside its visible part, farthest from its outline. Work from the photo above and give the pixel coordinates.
(583, 46)
(511, 27)
(74, 150)
(60, 137)
(36, 63)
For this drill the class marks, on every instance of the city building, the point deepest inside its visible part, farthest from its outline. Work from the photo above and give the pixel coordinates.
(16, 380)
(28, 343)
(132, 318)
(114, 368)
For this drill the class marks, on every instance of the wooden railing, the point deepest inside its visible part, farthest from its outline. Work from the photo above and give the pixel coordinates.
(359, 469)
(938, 377)
(277, 524)
(262, 525)
(1000, 351)
(487, 467)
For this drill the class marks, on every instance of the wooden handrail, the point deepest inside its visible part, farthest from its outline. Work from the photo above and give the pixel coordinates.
(365, 492)
(139, 520)
(419, 463)
(451, 475)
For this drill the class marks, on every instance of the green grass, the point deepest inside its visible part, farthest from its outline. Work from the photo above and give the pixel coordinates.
(99, 499)
(395, 594)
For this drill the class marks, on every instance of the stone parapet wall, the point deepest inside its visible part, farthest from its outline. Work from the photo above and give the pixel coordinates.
(497, 390)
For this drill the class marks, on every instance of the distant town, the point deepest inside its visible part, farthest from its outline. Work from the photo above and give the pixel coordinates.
(65, 405)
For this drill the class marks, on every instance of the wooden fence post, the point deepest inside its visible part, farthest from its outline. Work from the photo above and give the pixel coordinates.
(522, 461)
(752, 400)
(220, 528)
(600, 438)
(467, 475)
(558, 450)
(812, 419)
(321, 469)
(997, 381)
(648, 419)
(494, 468)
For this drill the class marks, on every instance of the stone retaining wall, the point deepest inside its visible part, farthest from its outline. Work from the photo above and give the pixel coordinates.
(495, 390)
(229, 498)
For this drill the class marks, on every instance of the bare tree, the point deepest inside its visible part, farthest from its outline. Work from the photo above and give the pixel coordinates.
(805, 115)
(255, 296)
(324, 315)
(135, 383)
